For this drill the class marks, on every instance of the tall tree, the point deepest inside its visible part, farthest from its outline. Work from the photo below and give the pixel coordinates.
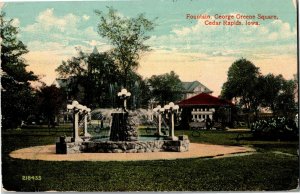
(269, 88)
(74, 67)
(285, 101)
(166, 87)
(253, 90)
(276, 93)
(140, 91)
(103, 73)
(74, 71)
(127, 36)
(242, 85)
(50, 101)
(17, 96)
(92, 77)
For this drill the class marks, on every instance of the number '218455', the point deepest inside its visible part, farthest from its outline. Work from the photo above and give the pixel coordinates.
(31, 178)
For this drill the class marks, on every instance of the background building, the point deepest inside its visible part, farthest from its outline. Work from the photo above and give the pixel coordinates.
(193, 88)
(203, 106)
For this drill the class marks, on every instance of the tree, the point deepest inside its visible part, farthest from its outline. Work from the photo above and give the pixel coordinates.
(285, 101)
(92, 78)
(102, 73)
(270, 86)
(143, 94)
(253, 90)
(50, 101)
(140, 91)
(74, 67)
(166, 87)
(17, 95)
(74, 71)
(277, 93)
(127, 36)
(241, 85)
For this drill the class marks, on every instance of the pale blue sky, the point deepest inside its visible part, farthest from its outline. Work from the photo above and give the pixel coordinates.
(52, 30)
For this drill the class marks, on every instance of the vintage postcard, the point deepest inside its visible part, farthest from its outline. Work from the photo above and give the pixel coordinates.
(137, 95)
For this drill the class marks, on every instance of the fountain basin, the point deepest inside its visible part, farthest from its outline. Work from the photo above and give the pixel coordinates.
(180, 145)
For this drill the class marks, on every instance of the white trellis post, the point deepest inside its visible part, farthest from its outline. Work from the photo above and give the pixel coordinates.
(160, 111)
(75, 126)
(77, 108)
(86, 113)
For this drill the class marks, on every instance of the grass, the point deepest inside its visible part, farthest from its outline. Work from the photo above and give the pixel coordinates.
(242, 138)
(266, 170)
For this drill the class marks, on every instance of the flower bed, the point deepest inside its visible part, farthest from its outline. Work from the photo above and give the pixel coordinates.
(275, 128)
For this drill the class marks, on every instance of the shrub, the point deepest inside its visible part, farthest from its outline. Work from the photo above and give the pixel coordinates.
(275, 128)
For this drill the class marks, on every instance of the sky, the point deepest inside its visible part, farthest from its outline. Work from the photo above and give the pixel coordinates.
(195, 51)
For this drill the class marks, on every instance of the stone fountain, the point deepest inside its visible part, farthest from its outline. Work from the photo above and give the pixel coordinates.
(123, 136)
(122, 129)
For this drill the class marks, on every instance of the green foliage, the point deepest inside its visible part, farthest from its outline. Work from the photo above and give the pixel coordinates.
(93, 79)
(242, 84)
(74, 72)
(140, 92)
(285, 101)
(275, 128)
(251, 90)
(166, 87)
(76, 66)
(102, 74)
(127, 36)
(270, 86)
(50, 102)
(86, 70)
(17, 96)
(277, 93)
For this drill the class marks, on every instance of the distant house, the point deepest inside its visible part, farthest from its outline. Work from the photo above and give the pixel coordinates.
(194, 88)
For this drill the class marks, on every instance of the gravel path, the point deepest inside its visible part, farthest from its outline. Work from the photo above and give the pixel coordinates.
(196, 151)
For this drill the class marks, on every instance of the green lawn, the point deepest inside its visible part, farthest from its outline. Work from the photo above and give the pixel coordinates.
(274, 167)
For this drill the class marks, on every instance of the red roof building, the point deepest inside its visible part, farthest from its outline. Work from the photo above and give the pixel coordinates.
(204, 99)
(204, 106)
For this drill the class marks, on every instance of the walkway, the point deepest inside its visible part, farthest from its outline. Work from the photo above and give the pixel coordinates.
(196, 151)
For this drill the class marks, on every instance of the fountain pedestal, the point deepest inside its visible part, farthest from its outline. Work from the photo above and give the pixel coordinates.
(121, 128)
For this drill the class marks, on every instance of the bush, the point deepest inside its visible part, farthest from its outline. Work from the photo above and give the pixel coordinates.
(275, 128)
